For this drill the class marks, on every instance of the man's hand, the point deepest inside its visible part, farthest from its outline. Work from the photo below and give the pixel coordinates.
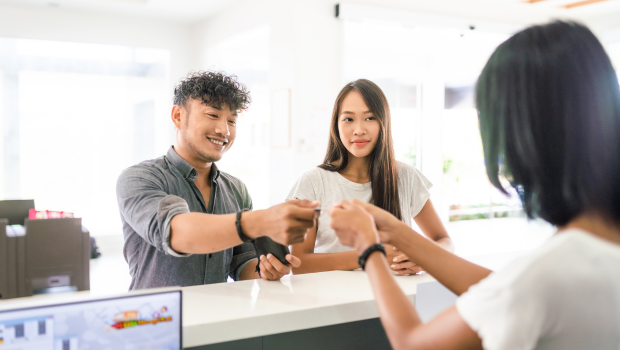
(272, 269)
(285, 223)
(353, 225)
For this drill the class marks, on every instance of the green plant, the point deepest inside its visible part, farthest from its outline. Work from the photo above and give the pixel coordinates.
(411, 155)
(447, 164)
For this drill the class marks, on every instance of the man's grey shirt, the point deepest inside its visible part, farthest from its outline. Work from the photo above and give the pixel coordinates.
(149, 194)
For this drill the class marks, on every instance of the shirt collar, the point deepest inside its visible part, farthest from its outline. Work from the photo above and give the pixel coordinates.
(186, 169)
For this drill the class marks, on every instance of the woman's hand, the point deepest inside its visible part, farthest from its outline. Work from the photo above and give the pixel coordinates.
(353, 225)
(385, 221)
(388, 225)
(400, 263)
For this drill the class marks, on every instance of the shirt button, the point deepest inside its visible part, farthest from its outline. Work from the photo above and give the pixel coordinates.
(210, 256)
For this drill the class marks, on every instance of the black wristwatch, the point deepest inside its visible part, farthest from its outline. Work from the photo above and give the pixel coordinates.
(242, 235)
(364, 257)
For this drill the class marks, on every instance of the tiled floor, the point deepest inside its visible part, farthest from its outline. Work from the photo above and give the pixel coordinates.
(481, 241)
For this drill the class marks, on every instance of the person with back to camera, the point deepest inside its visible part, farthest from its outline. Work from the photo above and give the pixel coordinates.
(549, 109)
(360, 164)
(184, 221)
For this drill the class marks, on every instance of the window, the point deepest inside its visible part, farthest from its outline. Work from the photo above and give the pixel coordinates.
(428, 75)
(73, 117)
(246, 55)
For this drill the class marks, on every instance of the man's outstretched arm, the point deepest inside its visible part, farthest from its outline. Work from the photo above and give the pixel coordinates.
(164, 220)
(199, 233)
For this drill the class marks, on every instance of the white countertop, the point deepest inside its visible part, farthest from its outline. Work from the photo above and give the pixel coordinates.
(230, 311)
(223, 312)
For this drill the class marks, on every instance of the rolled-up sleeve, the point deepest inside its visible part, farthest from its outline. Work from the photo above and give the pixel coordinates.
(147, 208)
(244, 253)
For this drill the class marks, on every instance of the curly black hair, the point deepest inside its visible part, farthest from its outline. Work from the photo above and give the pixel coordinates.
(214, 89)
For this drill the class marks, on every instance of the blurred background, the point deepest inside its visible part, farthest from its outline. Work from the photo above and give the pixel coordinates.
(86, 91)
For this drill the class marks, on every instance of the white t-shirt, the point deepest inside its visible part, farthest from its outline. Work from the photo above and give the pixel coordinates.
(564, 296)
(330, 187)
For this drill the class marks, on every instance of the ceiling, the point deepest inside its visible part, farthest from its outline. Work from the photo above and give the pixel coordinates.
(185, 10)
(567, 4)
(194, 10)
(592, 7)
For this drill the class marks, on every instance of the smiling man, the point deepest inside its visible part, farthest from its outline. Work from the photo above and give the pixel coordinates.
(187, 223)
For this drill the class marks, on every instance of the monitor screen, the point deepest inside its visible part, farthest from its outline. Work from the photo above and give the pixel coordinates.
(150, 321)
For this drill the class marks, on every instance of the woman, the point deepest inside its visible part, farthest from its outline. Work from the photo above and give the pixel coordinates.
(360, 164)
(549, 108)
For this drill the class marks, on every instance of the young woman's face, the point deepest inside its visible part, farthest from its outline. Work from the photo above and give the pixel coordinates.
(358, 127)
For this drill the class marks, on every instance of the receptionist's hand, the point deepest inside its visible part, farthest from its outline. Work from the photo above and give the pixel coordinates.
(386, 223)
(353, 225)
(272, 269)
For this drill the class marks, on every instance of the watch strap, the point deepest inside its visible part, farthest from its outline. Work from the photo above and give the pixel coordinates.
(242, 235)
(364, 256)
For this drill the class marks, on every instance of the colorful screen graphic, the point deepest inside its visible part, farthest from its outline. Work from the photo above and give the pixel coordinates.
(151, 321)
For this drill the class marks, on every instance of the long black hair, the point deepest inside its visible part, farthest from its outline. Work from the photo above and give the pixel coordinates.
(382, 168)
(549, 111)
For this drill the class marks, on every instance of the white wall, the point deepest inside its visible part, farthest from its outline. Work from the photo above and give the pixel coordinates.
(305, 52)
(305, 57)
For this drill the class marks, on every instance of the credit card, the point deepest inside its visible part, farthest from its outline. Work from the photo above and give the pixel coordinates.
(317, 212)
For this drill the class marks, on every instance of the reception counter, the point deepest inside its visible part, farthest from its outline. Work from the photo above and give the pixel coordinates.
(326, 310)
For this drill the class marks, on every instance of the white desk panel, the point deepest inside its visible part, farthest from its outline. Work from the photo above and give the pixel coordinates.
(232, 311)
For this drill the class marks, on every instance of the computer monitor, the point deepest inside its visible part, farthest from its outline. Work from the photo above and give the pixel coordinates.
(16, 210)
(146, 321)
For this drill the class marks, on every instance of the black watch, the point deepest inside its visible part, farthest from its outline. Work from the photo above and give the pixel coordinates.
(242, 235)
(364, 256)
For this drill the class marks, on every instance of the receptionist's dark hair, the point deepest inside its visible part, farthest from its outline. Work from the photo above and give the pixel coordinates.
(549, 112)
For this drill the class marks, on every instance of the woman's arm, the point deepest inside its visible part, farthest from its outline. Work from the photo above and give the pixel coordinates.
(402, 323)
(432, 227)
(355, 227)
(319, 262)
(429, 222)
(456, 273)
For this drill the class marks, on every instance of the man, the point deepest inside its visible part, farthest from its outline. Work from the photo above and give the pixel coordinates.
(181, 215)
